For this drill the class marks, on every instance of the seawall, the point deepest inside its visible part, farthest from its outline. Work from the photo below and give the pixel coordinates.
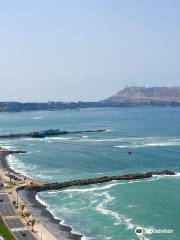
(83, 182)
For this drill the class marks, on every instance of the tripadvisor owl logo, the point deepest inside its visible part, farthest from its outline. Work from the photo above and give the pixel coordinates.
(139, 231)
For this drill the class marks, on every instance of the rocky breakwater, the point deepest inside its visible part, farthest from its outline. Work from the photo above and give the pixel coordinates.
(47, 133)
(6, 151)
(83, 182)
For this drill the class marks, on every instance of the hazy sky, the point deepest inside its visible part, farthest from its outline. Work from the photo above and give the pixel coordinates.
(86, 49)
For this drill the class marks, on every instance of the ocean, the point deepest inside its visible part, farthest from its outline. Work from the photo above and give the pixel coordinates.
(112, 210)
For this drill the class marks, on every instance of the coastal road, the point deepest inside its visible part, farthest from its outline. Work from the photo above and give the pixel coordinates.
(12, 221)
(17, 227)
(6, 208)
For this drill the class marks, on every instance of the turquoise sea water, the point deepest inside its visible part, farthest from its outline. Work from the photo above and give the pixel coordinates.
(112, 210)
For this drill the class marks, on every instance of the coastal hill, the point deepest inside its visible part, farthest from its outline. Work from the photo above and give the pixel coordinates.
(143, 95)
(128, 97)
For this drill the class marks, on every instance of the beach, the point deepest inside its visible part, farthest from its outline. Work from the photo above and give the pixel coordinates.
(46, 227)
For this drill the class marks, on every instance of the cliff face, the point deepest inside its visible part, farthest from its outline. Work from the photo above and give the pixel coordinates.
(131, 96)
(138, 95)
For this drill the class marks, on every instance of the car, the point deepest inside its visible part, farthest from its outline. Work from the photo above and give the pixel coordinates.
(23, 233)
(1, 184)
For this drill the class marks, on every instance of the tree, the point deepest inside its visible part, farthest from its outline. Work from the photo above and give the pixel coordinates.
(22, 208)
(27, 215)
(33, 222)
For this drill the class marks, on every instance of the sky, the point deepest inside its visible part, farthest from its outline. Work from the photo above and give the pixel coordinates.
(71, 50)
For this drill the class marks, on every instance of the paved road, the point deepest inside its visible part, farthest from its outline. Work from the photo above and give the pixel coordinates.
(6, 208)
(11, 219)
(16, 226)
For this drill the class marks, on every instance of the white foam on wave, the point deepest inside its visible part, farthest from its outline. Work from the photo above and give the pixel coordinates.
(49, 139)
(102, 140)
(18, 166)
(91, 189)
(162, 144)
(176, 175)
(44, 177)
(86, 238)
(136, 142)
(58, 138)
(52, 192)
(13, 160)
(85, 136)
(53, 212)
(41, 201)
(37, 117)
(102, 208)
(126, 146)
(150, 144)
(109, 186)
(7, 146)
(119, 218)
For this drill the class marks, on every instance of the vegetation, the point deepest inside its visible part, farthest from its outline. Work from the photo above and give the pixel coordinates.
(10, 185)
(4, 231)
(33, 222)
(27, 215)
(22, 205)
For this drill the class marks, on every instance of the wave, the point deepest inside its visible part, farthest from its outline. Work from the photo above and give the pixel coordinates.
(176, 175)
(101, 208)
(62, 221)
(41, 201)
(119, 218)
(37, 118)
(122, 142)
(58, 138)
(102, 140)
(150, 143)
(48, 139)
(18, 166)
(135, 142)
(111, 185)
(7, 146)
(44, 177)
(85, 136)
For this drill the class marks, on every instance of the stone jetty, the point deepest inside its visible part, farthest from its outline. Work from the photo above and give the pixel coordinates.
(8, 151)
(47, 133)
(83, 182)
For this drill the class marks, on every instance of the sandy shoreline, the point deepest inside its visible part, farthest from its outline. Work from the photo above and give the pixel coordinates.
(46, 221)
(40, 212)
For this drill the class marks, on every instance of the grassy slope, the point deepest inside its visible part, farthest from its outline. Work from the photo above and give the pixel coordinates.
(4, 231)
